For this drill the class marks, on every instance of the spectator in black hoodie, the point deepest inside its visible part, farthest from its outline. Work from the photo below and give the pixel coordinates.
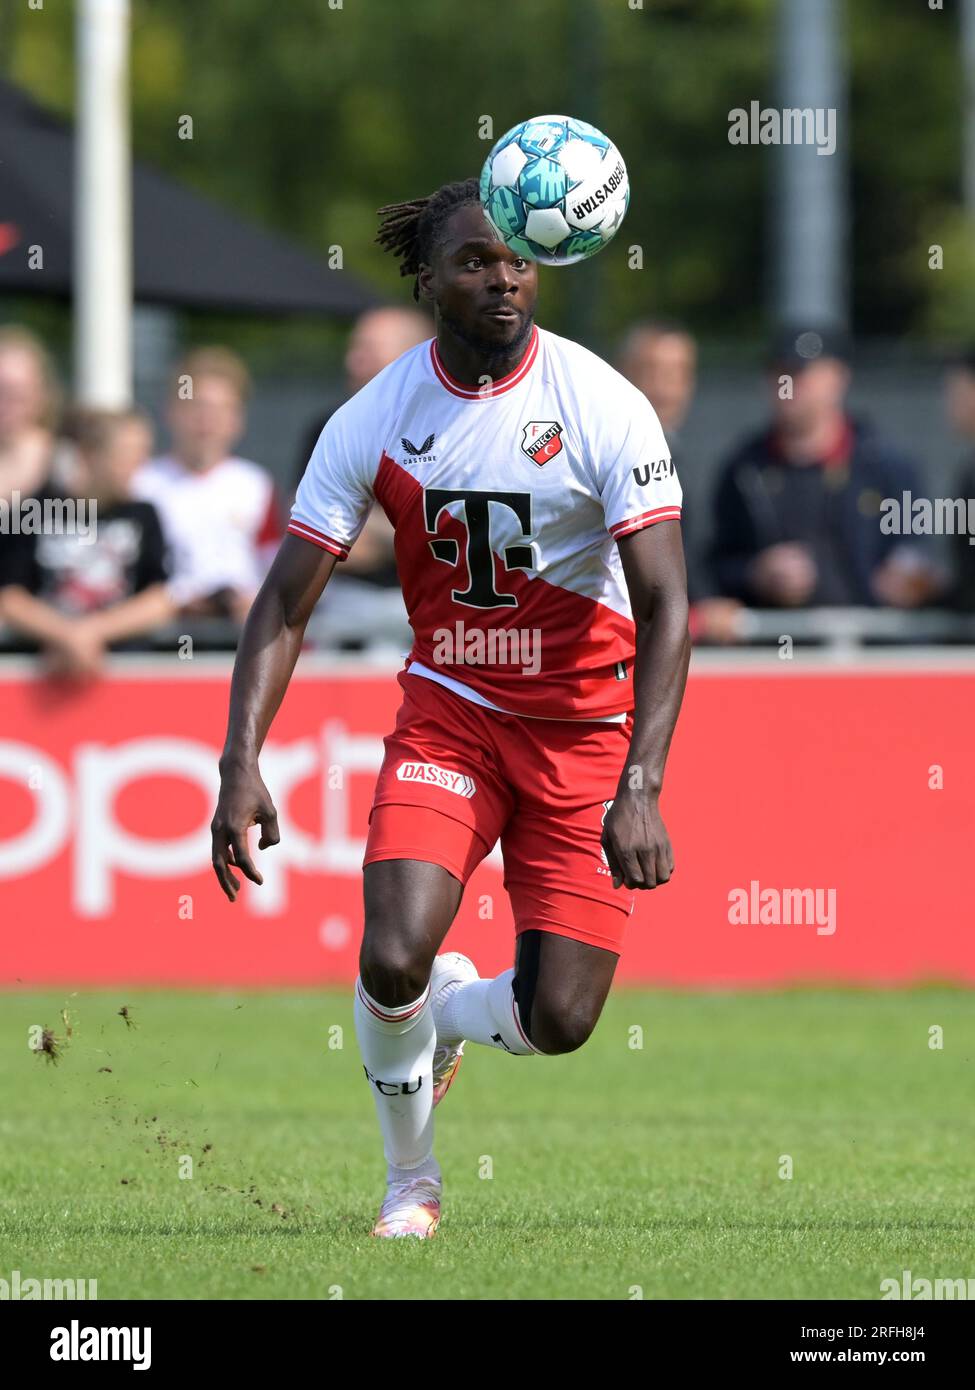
(798, 506)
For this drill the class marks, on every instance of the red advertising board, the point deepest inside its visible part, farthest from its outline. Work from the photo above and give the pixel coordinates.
(822, 820)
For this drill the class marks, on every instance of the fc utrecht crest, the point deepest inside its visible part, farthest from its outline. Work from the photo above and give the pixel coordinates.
(541, 440)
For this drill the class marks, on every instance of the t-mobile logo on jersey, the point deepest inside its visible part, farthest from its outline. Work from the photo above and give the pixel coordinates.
(469, 511)
(488, 646)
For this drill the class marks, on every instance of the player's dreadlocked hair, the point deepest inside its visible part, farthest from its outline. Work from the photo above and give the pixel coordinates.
(413, 230)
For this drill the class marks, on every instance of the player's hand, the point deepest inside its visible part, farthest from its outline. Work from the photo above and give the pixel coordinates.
(635, 841)
(244, 801)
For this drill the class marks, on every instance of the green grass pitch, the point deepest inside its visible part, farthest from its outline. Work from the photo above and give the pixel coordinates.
(611, 1173)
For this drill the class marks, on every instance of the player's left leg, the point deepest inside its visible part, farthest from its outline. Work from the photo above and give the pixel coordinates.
(561, 985)
(566, 911)
(552, 999)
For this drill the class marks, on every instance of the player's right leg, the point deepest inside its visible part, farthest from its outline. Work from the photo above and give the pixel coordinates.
(439, 807)
(409, 906)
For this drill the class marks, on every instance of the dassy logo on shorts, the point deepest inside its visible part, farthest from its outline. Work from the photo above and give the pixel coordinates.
(541, 440)
(444, 777)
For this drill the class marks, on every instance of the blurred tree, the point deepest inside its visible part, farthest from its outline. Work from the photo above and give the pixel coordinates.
(906, 156)
(946, 281)
(309, 117)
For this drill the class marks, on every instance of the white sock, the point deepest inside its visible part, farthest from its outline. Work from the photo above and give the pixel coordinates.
(485, 1011)
(397, 1047)
(429, 1168)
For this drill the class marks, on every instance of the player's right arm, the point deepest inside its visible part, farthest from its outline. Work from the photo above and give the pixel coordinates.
(266, 656)
(331, 506)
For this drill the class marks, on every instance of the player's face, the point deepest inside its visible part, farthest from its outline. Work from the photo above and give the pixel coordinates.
(483, 290)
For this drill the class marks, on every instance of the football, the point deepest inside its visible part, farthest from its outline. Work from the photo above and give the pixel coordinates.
(555, 189)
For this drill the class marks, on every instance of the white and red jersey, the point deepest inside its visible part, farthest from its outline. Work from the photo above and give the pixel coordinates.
(507, 503)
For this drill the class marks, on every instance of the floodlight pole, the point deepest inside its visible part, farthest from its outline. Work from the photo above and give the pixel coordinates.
(102, 207)
(810, 196)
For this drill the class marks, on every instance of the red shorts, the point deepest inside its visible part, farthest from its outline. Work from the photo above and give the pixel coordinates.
(457, 776)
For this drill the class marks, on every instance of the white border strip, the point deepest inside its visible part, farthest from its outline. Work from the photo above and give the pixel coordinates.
(865, 661)
(915, 661)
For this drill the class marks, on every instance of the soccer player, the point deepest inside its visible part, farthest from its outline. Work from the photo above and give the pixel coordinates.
(536, 516)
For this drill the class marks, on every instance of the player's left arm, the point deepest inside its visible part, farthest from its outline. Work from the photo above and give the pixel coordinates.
(635, 838)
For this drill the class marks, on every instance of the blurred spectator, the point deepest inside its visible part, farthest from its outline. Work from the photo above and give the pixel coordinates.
(29, 400)
(378, 337)
(355, 593)
(797, 509)
(78, 590)
(220, 514)
(660, 358)
(960, 401)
